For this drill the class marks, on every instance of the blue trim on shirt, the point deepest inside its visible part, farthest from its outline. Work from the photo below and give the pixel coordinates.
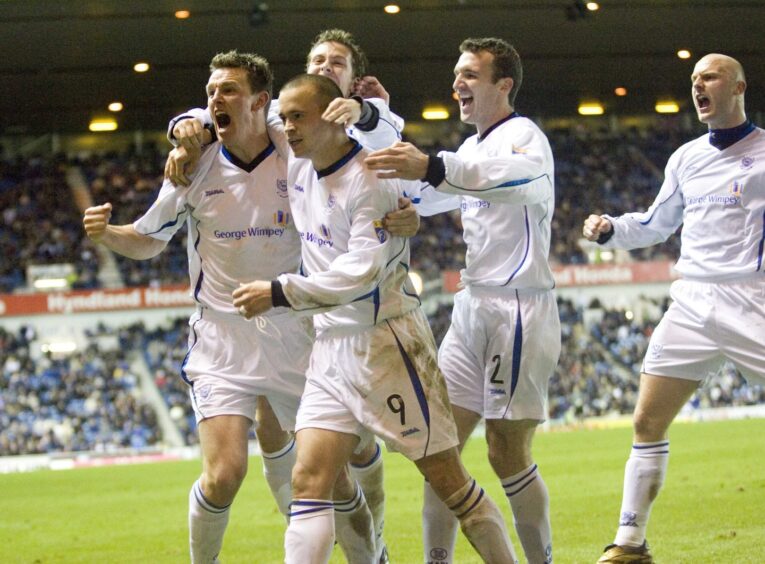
(168, 224)
(198, 285)
(664, 201)
(248, 167)
(509, 183)
(528, 244)
(721, 139)
(339, 164)
(496, 125)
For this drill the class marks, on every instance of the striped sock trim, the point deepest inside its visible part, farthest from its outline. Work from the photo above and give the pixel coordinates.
(469, 501)
(517, 486)
(205, 503)
(375, 458)
(307, 506)
(349, 505)
(647, 449)
(281, 452)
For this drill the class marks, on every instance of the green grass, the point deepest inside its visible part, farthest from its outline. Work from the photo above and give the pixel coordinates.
(710, 510)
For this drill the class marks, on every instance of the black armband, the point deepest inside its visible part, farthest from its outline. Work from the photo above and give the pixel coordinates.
(370, 115)
(278, 299)
(605, 237)
(213, 135)
(436, 171)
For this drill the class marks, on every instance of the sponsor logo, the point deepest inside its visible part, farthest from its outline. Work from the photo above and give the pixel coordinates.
(497, 392)
(281, 218)
(316, 240)
(628, 519)
(325, 231)
(380, 231)
(209, 193)
(746, 163)
(474, 204)
(281, 187)
(299, 188)
(716, 199)
(249, 232)
(411, 431)
(736, 188)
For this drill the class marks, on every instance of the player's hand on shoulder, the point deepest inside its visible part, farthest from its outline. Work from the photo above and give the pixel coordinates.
(95, 220)
(370, 87)
(404, 221)
(400, 160)
(594, 226)
(345, 111)
(191, 133)
(181, 162)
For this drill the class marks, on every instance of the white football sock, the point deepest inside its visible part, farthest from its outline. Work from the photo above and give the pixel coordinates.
(277, 468)
(439, 528)
(482, 524)
(354, 530)
(643, 478)
(530, 503)
(370, 477)
(311, 532)
(207, 525)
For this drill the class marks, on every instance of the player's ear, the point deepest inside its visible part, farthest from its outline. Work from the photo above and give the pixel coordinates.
(506, 84)
(261, 101)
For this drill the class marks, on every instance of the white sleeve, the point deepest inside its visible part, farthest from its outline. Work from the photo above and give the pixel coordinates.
(386, 132)
(643, 229)
(427, 200)
(166, 215)
(352, 276)
(520, 175)
(202, 114)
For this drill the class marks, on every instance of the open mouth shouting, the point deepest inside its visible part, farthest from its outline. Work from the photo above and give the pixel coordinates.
(702, 103)
(466, 102)
(222, 119)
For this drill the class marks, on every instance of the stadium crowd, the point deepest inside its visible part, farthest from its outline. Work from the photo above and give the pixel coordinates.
(85, 400)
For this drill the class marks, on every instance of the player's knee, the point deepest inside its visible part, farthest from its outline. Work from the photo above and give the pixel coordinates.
(311, 482)
(222, 481)
(272, 439)
(648, 427)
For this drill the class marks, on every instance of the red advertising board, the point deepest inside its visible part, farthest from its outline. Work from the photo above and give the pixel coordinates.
(84, 301)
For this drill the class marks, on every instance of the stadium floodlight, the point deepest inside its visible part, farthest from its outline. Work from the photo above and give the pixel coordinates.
(392, 9)
(667, 107)
(590, 109)
(435, 113)
(103, 124)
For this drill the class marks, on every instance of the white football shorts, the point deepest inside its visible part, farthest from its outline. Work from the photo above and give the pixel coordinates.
(232, 360)
(384, 381)
(706, 324)
(500, 351)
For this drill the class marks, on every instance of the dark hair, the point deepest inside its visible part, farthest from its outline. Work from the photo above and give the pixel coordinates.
(358, 58)
(259, 74)
(507, 61)
(325, 88)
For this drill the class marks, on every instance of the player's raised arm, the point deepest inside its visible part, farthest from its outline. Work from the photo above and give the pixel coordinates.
(122, 239)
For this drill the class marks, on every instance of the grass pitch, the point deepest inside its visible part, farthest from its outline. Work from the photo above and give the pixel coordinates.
(709, 511)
